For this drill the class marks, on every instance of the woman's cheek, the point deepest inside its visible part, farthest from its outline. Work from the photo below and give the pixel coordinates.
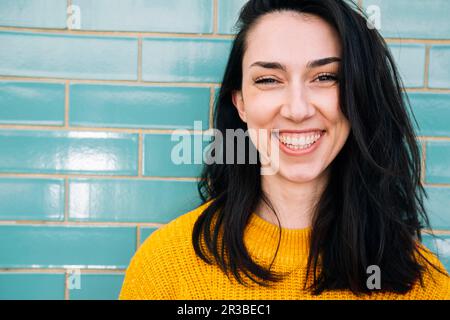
(262, 114)
(327, 104)
(263, 108)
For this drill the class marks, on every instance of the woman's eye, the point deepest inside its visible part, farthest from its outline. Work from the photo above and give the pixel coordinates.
(326, 77)
(266, 81)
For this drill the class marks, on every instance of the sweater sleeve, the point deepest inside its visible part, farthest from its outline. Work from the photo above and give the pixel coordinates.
(147, 277)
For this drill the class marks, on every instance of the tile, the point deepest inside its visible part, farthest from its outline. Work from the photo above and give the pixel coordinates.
(437, 206)
(31, 199)
(439, 67)
(51, 246)
(432, 111)
(181, 16)
(177, 155)
(410, 60)
(68, 56)
(146, 232)
(184, 59)
(440, 246)
(123, 200)
(437, 162)
(138, 106)
(412, 18)
(31, 286)
(32, 103)
(228, 14)
(97, 287)
(30, 151)
(33, 13)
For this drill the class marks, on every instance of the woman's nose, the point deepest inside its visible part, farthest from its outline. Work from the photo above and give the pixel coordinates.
(297, 106)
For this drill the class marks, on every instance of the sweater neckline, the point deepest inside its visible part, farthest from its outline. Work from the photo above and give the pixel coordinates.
(261, 238)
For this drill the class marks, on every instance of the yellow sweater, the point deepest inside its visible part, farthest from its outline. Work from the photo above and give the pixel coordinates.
(166, 267)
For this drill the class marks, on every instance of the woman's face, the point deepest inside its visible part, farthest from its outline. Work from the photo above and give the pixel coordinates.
(290, 70)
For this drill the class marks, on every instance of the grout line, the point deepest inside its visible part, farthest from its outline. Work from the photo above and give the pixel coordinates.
(429, 90)
(110, 81)
(143, 83)
(146, 34)
(419, 41)
(138, 236)
(78, 223)
(215, 17)
(91, 176)
(429, 138)
(33, 79)
(437, 185)
(66, 104)
(95, 129)
(135, 131)
(138, 227)
(61, 270)
(116, 33)
(437, 232)
(66, 285)
(139, 66)
(427, 66)
(159, 84)
(34, 270)
(422, 172)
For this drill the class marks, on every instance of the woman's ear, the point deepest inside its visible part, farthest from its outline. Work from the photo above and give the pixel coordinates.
(238, 102)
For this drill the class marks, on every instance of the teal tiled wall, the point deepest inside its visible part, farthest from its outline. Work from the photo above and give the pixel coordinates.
(86, 116)
(127, 106)
(56, 55)
(440, 66)
(31, 103)
(417, 19)
(32, 286)
(184, 59)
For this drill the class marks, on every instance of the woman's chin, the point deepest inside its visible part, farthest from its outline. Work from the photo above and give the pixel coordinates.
(298, 175)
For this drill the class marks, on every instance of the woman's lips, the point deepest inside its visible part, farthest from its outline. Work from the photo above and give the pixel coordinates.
(290, 150)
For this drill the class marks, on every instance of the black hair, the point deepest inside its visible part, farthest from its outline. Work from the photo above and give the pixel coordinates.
(372, 209)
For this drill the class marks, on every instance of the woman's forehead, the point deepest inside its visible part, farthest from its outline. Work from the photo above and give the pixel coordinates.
(291, 39)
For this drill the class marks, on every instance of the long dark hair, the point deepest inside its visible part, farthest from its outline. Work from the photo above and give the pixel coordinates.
(371, 211)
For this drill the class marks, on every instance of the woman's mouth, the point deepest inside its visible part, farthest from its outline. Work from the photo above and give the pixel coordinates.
(294, 143)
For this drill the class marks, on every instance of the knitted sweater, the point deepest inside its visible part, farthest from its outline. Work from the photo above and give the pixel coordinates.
(166, 267)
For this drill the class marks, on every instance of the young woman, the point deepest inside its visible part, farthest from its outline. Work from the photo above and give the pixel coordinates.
(341, 217)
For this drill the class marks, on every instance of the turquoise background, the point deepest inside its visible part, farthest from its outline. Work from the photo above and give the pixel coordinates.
(86, 116)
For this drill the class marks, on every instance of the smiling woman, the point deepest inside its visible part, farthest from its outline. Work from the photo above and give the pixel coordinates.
(347, 198)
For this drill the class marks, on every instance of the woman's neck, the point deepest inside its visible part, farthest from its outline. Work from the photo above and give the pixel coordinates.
(293, 201)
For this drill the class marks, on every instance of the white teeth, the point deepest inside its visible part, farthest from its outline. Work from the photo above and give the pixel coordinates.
(301, 141)
(297, 147)
(298, 142)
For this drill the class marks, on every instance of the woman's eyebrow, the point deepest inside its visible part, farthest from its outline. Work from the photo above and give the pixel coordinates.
(311, 64)
(322, 62)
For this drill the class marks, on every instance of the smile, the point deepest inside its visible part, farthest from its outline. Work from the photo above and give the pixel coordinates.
(299, 143)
